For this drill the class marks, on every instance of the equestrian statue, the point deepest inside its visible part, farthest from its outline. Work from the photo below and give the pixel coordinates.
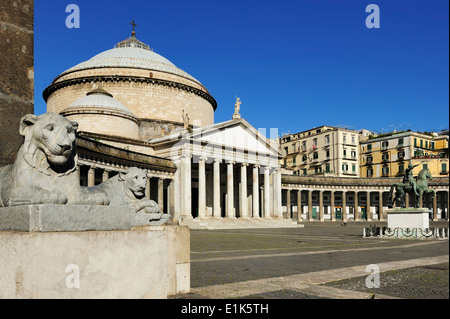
(414, 186)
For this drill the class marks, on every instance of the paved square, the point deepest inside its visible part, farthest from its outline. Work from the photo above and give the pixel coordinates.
(288, 263)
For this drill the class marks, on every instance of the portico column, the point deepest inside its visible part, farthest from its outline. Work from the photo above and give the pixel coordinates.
(356, 214)
(105, 175)
(216, 186)
(288, 204)
(230, 190)
(91, 177)
(321, 205)
(344, 205)
(278, 212)
(201, 188)
(332, 208)
(309, 217)
(243, 201)
(255, 194)
(161, 193)
(368, 210)
(380, 206)
(435, 207)
(186, 191)
(299, 205)
(267, 192)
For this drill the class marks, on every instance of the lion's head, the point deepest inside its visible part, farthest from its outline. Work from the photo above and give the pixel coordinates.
(135, 181)
(50, 141)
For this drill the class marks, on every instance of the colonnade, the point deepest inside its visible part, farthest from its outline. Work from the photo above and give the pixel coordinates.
(366, 204)
(227, 189)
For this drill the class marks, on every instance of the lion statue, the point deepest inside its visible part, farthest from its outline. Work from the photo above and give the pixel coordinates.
(44, 171)
(127, 188)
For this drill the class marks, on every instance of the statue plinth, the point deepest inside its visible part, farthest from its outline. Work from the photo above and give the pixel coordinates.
(236, 116)
(58, 218)
(408, 218)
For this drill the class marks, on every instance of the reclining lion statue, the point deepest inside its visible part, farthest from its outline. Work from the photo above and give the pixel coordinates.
(44, 171)
(128, 189)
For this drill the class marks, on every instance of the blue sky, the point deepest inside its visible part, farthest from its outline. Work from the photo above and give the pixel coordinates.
(295, 64)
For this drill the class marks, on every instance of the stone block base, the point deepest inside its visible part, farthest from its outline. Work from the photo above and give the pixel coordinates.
(408, 218)
(48, 218)
(145, 262)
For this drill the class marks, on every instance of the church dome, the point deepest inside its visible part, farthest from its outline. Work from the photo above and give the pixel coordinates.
(131, 53)
(144, 84)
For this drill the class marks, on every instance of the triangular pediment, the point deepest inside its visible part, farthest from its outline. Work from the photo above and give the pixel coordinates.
(236, 136)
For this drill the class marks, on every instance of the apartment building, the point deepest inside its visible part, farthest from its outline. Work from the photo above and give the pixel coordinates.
(324, 150)
(388, 155)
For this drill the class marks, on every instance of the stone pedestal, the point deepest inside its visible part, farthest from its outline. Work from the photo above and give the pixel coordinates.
(408, 218)
(64, 251)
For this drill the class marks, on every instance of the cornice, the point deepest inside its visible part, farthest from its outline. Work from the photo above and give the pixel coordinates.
(127, 78)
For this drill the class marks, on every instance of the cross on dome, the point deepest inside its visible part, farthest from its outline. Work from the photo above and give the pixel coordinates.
(134, 25)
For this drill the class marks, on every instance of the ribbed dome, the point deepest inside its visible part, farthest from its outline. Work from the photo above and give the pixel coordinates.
(101, 99)
(131, 53)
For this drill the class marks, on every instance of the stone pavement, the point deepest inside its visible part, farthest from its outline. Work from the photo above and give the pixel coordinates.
(321, 260)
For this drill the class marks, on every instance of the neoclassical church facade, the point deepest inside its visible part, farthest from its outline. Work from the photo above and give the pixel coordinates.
(136, 108)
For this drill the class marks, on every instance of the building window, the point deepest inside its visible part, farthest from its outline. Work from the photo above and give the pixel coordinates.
(425, 166)
(305, 171)
(344, 168)
(401, 168)
(432, 145)
(400, 142)
(294, 160)
(327, 168)
(327, 139)
(385, 157)
(353, 139)
(369, 172)
(315, 156)
(315, 143)
(353, 154)
(344, 139)
(369, 147)
(369, 159)
(353, 168)
(415, 141)
(304, 158)
(345, 153)
(443, 168)
(401, 154)
(327, 154)
(384, 145)
(385, 170)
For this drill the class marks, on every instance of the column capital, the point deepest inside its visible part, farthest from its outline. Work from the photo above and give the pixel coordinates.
(256, 166)
(217, 160)
(202, 158)
(230, 162)
(244, 164)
